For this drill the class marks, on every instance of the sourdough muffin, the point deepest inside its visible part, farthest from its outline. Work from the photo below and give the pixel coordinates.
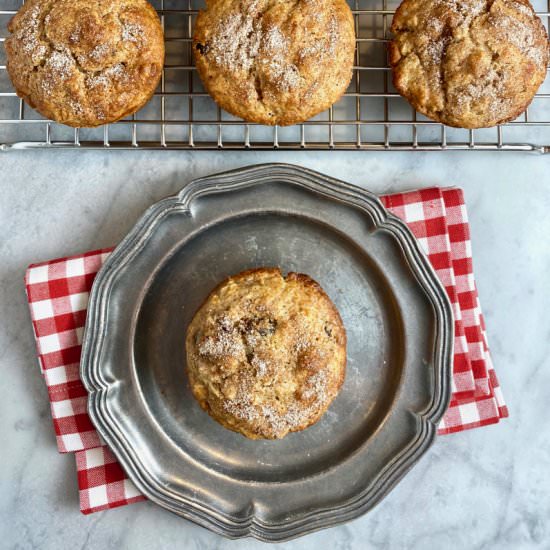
(85, 62)
(275, 61)
(468, 63)
(266, 354)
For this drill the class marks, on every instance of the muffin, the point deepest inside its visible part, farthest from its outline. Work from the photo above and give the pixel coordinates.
(85, 63)
(468, 63)
(275, 62)
(266, 354)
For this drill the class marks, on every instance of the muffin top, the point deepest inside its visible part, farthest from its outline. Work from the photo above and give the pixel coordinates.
(468, 63)
(85, 62)
(266, 354)
(275, 61)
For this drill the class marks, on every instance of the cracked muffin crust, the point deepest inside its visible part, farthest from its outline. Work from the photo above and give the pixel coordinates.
(468, 63)
(266, 354)
(85, 62)
(275, 61)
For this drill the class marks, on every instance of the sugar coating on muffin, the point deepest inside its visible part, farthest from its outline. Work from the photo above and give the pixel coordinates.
(85, 62)
(266, 354)
(275, 62)
(468, 63)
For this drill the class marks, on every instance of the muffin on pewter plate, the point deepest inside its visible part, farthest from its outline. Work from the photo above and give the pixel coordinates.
(85, 62)
(468, 63)
(266, 354)
(275, 62)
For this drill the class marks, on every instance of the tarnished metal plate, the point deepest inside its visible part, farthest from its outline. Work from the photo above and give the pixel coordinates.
(399, 325)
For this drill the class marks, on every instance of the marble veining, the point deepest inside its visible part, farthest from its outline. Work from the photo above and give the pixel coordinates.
(486, 488)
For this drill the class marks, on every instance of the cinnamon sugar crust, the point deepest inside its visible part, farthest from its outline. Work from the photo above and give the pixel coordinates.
(275, 61)
(266, 354)
(468, 63)
(85, 62)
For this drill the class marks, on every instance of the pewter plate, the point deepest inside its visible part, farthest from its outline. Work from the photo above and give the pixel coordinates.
(399, 325)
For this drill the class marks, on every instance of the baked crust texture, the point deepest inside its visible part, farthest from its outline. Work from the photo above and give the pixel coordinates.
(266, 354)
(468, 63)
(85, 63)
(275, 61)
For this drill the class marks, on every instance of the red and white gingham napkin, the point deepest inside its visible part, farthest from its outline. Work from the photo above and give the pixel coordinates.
(58, 292)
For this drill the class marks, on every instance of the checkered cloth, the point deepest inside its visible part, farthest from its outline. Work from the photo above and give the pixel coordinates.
(58, 292)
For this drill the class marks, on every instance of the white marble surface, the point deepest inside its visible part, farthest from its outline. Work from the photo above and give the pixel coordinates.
(487, 488)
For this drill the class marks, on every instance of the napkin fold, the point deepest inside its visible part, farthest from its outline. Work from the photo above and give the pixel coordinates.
(58, 292)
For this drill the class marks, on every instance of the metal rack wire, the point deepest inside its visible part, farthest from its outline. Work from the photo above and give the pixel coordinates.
(370, 116)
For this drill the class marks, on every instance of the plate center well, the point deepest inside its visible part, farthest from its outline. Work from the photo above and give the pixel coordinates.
(351, 279)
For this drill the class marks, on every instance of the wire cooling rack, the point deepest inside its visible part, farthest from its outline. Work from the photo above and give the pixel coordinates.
(370, 116)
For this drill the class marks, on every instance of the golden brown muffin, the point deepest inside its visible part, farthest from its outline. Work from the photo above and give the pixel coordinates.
(275, 61)
(468, 63)
(85, 62)
(266, 354)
